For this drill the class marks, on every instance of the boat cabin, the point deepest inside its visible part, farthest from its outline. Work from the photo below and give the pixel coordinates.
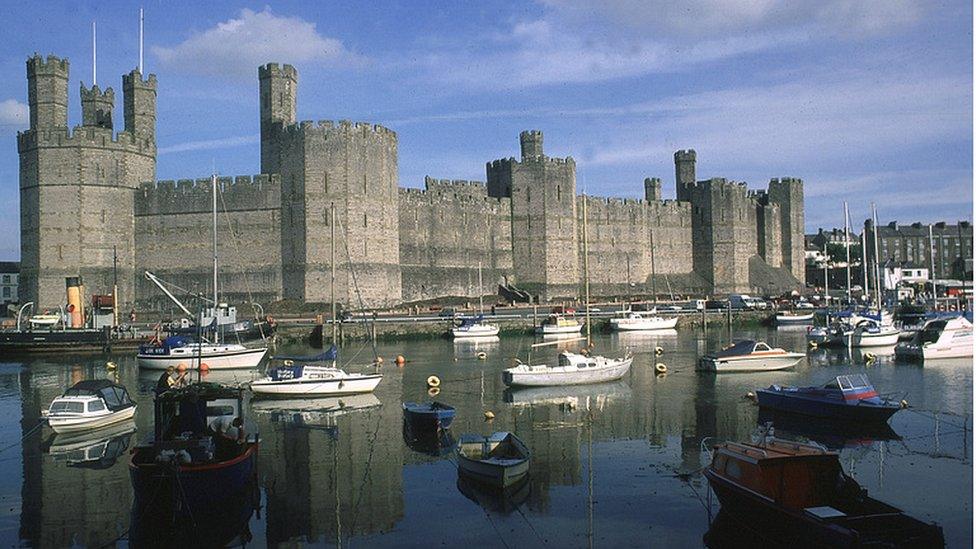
(93, 396)
(743, 348)
(567, 359)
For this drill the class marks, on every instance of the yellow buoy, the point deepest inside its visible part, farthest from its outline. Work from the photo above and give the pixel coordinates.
(660, 368)
(482, 355)
(489, 415)
(110, 366)
(869, 357)
(289, 362)
(658, 351)
(434, 391)
(751, 396)
(433, 381)
(904, 403)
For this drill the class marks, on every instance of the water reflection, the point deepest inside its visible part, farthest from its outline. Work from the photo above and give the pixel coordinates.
(494, 499)
(97, 449)
(834, 435)
(436, 443)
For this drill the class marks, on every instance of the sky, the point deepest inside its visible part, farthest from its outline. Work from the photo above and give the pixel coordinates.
(865, 100)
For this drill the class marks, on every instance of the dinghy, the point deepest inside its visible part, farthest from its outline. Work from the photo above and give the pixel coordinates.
(428, 416)
(500, 459)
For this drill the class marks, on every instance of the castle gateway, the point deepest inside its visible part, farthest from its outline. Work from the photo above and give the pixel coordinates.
(90, 206)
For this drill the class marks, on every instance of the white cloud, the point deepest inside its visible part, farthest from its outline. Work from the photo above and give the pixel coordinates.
(238, 46)
(210, 144)
(14, 115)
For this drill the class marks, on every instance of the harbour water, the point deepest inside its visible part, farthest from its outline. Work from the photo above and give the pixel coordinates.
(613, 465)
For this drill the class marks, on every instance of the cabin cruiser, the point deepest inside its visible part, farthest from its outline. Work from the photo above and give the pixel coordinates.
(88, 405)
(558, 324)
(940, 338)
(301, 376)
(176, 350)
(749, 356)
(869, 332)
(848, 397)
(474, 327)
(572, 369)
(640, 322)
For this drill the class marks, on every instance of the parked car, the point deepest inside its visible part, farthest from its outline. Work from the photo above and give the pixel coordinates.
(447, 312)
(717, 304)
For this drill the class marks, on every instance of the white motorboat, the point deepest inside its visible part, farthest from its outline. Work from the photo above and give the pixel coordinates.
(870, 333)
(44, 320)
(749, 356)
(572, 369)
(473, 328)
(558, 324)
(786, 318)
(638, 322)
(940, 338)
(176, 351)
(89, 405)
(500, 459)
(312, 380)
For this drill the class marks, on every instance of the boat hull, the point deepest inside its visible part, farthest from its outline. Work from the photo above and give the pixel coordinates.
(477, 331)
(78, 424)
(805, 318)
(932, 352)
(247, 358)
(643, 325)
(542, 376)
(884, 339)
(750, 364)
(345, 386)
(799, 404)
(554, 330)
(426, 421)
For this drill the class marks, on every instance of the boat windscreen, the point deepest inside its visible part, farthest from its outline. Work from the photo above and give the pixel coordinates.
(744, 347)
(932, 331)
(471, 321)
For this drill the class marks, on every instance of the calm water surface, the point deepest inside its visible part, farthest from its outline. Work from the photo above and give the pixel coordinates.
(608, 468)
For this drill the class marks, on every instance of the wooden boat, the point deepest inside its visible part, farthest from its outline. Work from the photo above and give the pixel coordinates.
(308, 379)
(558, 324)
(793, 317)
(940, 338)
(175, 350)
(428, 416)
(749, 356)
(572, 369)
(849, 397)
(200, 441)
(639, 322)
(500, 459)
(88, 405)
(801, 492)
(44, 320)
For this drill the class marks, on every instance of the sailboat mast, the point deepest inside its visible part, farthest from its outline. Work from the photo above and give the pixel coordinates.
(877, 258)
(213, 182)
(481, 292)
(864, 263)
(332, 222)
(586, 273)
(935, 294)
(847, 246)
(826, 274)
(653, 270)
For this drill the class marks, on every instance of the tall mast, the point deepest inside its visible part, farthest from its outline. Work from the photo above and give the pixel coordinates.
(877, 258)
(826, 274)
(94, 57)
(213, 183)
(653, 270)
(847, 246)
(586, 273)
(141, 23)
(481, 292)
(935, 294)
(864, 263)
(332, 222)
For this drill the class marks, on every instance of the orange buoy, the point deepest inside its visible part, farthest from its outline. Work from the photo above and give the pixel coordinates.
(181, 367)
(400, 360)
(204, 367)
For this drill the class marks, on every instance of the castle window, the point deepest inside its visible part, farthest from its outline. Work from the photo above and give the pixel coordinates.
(559, 193)
(364, 248)
(364, 220)
(325, 182)
(364, 183)
(103, 216)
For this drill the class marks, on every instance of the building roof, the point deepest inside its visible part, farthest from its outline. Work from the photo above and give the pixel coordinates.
(963, 228)
(9, 266)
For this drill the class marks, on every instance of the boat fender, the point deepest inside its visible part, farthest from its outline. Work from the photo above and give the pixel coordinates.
(489, 415)
(434, 391)
(660, 368)
(482, 355)
(110, 366)
(869, 358)
(433, 381)
(289, 363)
(181, 367)
(751, 396)
(658, 351)
(904, 403)
(204, 367)
(813, 344)
(400, 361)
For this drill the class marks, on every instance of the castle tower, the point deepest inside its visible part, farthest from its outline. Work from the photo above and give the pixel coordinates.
(139, 104)
(787, 193)
(279, 91)
(684, 173)
(723, 233)
(77, 190)
(531, 143)
(47, 92)
(96, 107)
(652, 189)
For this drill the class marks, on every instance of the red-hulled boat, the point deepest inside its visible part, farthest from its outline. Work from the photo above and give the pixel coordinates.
(799, 493)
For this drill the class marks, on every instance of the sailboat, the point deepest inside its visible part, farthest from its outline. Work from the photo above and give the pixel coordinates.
(178, 351)
(474, 327)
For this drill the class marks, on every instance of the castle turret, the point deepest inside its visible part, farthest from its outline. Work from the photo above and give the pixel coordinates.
(140, 104)
(47, 92)
(279, 90)
(96, 107)
(652, 189)
(684, 173)
(531, 141)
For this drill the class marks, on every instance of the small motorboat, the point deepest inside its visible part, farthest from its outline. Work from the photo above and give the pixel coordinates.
(558, 324)
(300, 376)
(793, 317)
(871, 333)
(572, 369)
(44, 320)
(500, 459)
(939, 338)
(749, 356)
(849, 397)
(90, 404)
(800, 492)
(637, 322)
(428, 416)
(177, 350)
(473, 327)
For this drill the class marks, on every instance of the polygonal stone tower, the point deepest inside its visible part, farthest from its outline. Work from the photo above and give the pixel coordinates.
(279, 92)
(684, 173)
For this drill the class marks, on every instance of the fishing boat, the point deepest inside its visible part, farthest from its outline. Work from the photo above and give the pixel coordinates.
(786, 318)
(499, 459)
(299, 375)
(474, 327)
(90, 404)
(848, 397)
(939, 338)
(571, 369)
(749, 356)
(639, 322)
(556, 324)
(177, 350)
(801, 492)
(428, 416)
(201, 440)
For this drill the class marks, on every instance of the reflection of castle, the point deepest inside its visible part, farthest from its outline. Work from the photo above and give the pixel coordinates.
(338, 477)
(88, 191)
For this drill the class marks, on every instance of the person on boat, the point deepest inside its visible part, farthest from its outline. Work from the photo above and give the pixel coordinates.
(165, 381)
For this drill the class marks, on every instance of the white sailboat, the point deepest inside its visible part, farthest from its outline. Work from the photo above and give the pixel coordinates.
(474, 327)
(177, 351)
(635, 322)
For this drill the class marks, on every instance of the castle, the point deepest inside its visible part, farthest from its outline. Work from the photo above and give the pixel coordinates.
(90, 206)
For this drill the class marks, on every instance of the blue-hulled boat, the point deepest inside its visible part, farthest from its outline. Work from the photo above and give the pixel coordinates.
(849, 397)
(427, 416)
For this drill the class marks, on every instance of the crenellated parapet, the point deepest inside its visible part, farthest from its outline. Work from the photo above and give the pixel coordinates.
(86, 137)
(183, 196)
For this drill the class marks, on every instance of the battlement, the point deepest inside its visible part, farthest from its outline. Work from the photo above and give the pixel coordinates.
(500, 163)
(548, 160)
(238, 193)
(273, 70)
(51, 66)
(684, 155)
(327, 127)
(530, 142)
(785, 181)
(95, 94)
(134, 78)
(85, 136)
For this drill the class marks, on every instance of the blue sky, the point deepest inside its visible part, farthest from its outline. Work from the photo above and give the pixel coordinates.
(866, 100)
